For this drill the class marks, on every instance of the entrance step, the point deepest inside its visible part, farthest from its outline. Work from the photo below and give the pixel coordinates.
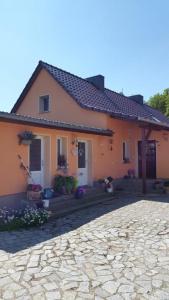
(134, 186)
(60, 207)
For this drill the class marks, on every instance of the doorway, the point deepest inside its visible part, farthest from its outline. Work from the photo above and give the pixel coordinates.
(150, 159)
(83, 153)
(36, 159)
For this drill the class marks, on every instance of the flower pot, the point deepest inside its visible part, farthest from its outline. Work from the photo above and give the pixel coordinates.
(46, 203)
(26, 142)
(110, 189)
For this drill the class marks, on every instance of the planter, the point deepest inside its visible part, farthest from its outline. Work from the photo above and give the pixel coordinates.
(110, 189)
(31, 195)
(26, 137)
(46, 203)
(26, 142)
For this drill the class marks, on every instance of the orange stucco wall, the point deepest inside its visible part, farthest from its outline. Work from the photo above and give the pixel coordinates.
(104, 160)
(62, 106)
(105, 152)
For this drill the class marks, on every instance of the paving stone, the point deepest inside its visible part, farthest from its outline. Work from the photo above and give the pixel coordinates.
(71, 295)
(98, 254)
(36, 289)
(111, 286)
(70, 285)
(101, 292)
(8, 295)
(50, 286)
(84, 287)
(125, 288)
(157, 283)
(55, 295)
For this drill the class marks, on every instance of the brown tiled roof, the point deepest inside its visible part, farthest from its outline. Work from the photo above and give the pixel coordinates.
(90, 97)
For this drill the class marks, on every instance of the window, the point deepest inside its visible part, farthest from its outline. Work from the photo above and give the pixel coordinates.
(35, 155)
(44, 104)
(62, 152)
(126, 152)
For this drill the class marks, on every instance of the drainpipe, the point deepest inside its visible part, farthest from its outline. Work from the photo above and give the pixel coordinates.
(143, 157)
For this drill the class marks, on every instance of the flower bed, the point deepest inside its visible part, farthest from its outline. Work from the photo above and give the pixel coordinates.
(23, 218)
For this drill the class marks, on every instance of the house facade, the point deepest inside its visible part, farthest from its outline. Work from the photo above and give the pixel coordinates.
(82, 129)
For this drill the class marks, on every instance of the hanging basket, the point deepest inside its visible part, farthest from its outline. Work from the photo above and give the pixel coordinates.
(26, 137)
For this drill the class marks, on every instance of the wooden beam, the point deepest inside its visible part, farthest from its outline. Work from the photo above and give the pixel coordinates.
(143, 159)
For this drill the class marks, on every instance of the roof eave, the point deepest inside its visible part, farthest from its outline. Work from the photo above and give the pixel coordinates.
(141, 121)
(5, 117)
(26, 88)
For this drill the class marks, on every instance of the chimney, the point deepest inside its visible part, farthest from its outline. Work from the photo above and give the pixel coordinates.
(137, 98)
(97, 81)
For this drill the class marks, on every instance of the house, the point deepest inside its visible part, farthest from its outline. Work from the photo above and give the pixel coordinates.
(82, 129)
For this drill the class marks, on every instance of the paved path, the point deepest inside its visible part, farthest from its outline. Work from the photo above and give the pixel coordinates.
(97, 253)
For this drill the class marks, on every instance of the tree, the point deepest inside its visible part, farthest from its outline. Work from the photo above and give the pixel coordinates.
(160, 102)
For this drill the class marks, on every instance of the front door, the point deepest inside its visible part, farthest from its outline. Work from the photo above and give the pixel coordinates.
(150, 159)
(36, 161)
(82, 163)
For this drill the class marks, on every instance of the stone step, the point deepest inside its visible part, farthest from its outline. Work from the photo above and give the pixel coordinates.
(73, 205)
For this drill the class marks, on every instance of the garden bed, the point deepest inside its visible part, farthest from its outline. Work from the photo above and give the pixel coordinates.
(22, 219)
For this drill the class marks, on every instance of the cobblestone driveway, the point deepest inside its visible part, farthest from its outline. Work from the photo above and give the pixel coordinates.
(115, 251)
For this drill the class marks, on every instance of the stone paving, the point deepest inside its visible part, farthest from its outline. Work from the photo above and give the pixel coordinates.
(117, 250)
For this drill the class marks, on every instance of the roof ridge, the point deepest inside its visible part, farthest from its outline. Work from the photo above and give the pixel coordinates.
(42, 63)
(84, 79)
(60, 69)
(128, 97)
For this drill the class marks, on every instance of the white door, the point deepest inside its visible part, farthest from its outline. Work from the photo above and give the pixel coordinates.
(82, 163)
(36, 154)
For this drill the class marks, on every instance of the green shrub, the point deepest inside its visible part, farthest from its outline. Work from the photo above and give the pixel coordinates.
(64, 184)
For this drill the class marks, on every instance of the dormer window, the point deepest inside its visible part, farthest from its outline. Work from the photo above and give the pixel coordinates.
(44, 104)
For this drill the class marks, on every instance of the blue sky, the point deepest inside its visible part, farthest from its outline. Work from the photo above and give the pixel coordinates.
(125, 40)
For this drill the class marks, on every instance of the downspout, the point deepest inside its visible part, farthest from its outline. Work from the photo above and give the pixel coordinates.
(143, 159)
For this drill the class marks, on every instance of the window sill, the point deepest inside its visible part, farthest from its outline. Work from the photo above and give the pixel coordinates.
(126, 162)
(62, 168)
(44, 112)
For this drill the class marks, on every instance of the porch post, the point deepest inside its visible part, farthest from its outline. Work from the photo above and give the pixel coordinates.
(143, 159)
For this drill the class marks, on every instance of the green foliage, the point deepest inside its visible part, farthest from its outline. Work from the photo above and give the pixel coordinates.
(18, 219)
(65, 184)
(161, 102)
(59, 183)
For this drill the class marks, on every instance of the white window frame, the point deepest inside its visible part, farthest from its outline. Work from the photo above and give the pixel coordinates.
(61, 145)
(60, 138)
(126, 152)
(41, 104)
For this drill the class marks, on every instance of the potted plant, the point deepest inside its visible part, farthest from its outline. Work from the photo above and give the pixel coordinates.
(126, 160)
(62, 163)
(26, 137)
(166, 187)
(109, 185)
(59, 183)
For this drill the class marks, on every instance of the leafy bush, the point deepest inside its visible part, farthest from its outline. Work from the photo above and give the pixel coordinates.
(59, 183)
(23, 218)
(65, 184)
